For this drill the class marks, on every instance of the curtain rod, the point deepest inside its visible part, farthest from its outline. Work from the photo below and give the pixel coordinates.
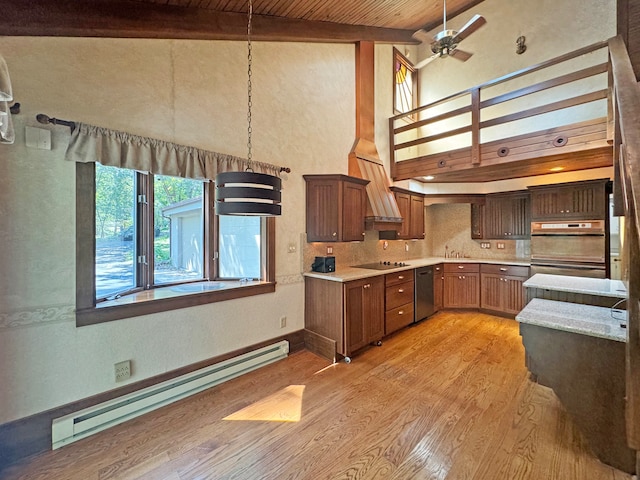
(42, 118)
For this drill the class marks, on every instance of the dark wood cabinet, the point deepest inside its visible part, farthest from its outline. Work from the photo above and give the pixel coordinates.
(587, 200)
(335, 208)
(501, 288)
(399, 300)
(364, 313)
(461, 285)
(507, 216)
(350, 314)
(477, 221)
(411, 206)
(438, 287)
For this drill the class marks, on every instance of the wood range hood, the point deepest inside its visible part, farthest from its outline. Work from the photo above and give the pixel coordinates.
(383, 213)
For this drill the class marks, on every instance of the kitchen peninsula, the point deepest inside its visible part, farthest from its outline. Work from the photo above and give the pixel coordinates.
(574, 337)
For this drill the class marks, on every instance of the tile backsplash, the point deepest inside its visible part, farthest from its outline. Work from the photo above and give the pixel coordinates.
(448, 229)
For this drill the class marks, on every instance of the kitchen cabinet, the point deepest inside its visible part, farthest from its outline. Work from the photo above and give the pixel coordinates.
(411, 206)
(507, 216)
(352, 313)
(461, 285)
(587, 200)
(438, 287)
(477, 221)
(335, 208)
(399, 300)
(501, 289)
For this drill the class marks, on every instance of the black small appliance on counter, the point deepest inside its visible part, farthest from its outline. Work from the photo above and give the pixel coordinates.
(324, 264)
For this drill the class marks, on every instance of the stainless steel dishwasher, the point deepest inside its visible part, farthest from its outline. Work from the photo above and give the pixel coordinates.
(423, 293)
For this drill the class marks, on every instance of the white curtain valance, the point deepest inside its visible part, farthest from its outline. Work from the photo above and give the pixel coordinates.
(90, 143)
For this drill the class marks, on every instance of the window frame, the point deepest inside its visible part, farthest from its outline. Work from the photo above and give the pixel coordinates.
(399, 57)
(90, 313)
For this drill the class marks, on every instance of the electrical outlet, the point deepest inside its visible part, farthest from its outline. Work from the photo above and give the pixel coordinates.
(283, 322)
(485, 245)
(329, 250)
(500, 245)
(122, 370)
(292, 248)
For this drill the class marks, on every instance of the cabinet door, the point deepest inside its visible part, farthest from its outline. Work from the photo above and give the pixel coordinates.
(323, 220)
(493, 218)
(491, 287)
(404, 205)
(438, 287)
(585, 200)
(461, 290)
(517, 209)
(364, 312)
(513, 299)
(373, 309)
(477, 221)
(416, 228)
(354, 197)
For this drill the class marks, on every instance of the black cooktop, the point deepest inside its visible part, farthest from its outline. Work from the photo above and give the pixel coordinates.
(382, 265)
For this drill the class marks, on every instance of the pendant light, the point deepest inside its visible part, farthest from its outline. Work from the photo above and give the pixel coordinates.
(248, 193)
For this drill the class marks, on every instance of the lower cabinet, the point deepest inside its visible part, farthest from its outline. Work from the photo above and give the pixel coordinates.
(351, 314)
(438, 287)
(399, 296)
(501, 287)
(364, 313)
(461, 285)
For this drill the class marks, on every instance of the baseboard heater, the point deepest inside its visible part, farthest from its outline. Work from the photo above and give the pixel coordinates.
(99, 417)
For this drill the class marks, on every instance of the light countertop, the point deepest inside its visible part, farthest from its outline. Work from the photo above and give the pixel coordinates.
(347, 274)
(588, 286)
(575, 318)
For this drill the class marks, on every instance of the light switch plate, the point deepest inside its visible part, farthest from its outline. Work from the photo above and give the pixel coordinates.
(37, 138)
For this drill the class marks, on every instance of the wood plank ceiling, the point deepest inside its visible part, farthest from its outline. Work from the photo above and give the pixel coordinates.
(342, 21)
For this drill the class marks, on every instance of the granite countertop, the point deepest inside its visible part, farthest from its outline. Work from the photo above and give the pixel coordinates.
(347, 274)
(589, 286)
(575, 318)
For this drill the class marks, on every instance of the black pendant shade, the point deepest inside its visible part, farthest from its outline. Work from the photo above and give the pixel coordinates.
(248, 193)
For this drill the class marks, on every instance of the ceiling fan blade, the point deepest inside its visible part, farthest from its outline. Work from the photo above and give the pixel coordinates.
(422, 36)
(426, 61)
(460, 55)
(471, 26)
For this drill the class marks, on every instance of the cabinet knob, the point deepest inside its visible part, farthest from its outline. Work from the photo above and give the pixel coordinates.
(363, 234)
(368, 285)
(334, 234)
(463, 277)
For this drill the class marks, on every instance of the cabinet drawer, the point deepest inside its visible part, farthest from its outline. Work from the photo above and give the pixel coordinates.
(511, 270)
(397, 318)
(398, 277)
(461, 267)
(400, 294)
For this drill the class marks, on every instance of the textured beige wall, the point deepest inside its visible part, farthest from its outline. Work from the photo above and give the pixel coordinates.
(188, 92)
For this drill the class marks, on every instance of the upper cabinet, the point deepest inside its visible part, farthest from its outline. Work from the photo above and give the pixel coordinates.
(504, 216)
(336, 207)
(587, 200)
(411, 206)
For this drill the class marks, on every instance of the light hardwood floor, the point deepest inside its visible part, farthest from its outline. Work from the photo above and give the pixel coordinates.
(449, 398)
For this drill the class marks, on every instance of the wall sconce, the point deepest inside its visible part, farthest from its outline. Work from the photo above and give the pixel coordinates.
(520, 46)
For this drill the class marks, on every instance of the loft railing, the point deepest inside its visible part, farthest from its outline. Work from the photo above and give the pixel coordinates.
(460, 121)
(626, 113)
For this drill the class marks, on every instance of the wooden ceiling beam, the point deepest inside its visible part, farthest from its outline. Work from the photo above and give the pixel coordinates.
(127, 19)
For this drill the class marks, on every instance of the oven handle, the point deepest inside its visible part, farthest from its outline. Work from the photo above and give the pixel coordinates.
(577, 266)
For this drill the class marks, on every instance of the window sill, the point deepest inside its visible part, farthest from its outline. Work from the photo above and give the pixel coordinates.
(170, 298)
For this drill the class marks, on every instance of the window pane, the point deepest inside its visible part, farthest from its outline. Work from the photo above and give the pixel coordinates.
(240, 242)
(178, 229)
(115, 230)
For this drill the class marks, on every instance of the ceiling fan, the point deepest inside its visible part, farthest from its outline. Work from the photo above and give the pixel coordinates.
(445, 43)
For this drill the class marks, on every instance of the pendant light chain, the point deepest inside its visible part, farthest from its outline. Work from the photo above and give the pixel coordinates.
(249, 84)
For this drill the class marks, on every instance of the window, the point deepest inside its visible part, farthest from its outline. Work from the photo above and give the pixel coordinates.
(148, 243)
(405, 84)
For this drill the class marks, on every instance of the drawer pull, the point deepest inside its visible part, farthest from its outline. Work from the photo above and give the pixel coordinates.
(502, 269)
(460, 267)
(401, 290)
(400, 312)
(400, 277)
